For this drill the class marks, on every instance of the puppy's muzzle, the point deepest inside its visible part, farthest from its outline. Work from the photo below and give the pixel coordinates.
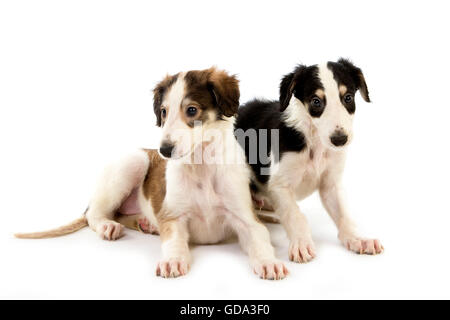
(339, 138)
(166, 149)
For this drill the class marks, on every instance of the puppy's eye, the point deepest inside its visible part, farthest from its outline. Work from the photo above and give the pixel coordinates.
(316, 106)
(163, 112)
(316, 102)
(348, 98)
(191, 111)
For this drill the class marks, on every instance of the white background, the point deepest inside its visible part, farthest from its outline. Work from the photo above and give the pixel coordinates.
(75, 89)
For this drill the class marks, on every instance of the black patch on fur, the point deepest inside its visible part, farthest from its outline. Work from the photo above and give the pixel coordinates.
(303, 82)
(259, 114)
(314, 111)
(347, 74)
(253, 187)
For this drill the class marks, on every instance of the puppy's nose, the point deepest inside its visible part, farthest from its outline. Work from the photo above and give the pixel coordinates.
(339, 138)
(166, 149)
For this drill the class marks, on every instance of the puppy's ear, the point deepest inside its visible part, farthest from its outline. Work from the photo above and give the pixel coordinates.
(225, 91)
(158, 95)
(357, 76)
(287, 86)
(286, 90)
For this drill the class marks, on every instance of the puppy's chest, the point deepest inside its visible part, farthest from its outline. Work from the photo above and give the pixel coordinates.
(308, 169)
(204, 198)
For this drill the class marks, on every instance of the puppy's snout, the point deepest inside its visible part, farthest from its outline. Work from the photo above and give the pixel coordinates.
(339, 138)
(166, 149)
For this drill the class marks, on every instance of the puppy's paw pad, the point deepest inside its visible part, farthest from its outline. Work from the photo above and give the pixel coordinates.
(270, 270)
(145, 226)
(172, 268)
(110, 230)
(363, 246)
(302, 250)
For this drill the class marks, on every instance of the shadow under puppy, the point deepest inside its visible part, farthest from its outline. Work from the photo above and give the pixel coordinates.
(313, 121)
(198, 191)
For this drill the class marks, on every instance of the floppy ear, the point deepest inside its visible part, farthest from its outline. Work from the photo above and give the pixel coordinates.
(357, 76)
(158, 95)
(286, 89)
(225, 90)
(157, 100)
(287, 86)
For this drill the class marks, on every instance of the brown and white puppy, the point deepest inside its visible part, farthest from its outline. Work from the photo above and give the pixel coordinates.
(313, 126)
(198, 191)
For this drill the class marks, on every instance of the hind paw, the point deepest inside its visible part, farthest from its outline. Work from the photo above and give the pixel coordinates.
(110, 230)
(146, 227)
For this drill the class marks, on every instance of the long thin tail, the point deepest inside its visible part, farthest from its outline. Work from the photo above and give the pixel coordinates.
(61, 231)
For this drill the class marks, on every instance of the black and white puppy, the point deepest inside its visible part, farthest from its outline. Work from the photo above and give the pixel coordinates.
(306, 151)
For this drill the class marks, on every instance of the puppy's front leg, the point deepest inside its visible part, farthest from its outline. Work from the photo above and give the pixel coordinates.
(175, 248)
(331, 194)
(301, 247)
(255, 240)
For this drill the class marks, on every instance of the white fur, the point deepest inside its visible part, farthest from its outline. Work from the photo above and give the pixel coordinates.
(296, 116)
(114, 185)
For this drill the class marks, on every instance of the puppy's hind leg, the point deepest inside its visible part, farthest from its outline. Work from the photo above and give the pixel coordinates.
(115, 185)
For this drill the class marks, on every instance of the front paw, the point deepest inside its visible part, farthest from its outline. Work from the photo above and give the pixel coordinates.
(302, 250)
(270, 269)
(172, 268)
(361, 245)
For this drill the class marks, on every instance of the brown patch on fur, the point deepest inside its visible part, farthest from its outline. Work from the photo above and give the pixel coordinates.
(158, 95)
(320, 93)
(154, 185)
(129, 221)
(200, 116)
(342, 89)
(213, 89)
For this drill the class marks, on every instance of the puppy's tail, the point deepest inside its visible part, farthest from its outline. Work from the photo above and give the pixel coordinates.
(61, 231)
(268, 218)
